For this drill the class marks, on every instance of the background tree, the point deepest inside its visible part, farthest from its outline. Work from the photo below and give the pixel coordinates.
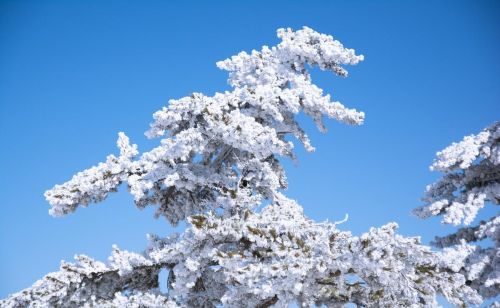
(216, 165)
(471, 179)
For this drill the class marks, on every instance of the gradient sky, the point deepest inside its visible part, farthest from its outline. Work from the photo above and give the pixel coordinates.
(74, 73)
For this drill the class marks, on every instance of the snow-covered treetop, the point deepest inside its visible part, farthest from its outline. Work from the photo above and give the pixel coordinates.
(222, 151)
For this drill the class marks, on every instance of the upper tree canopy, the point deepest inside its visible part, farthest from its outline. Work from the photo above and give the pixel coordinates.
(221, 151)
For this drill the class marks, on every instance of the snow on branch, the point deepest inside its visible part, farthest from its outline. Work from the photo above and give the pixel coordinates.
(277, 256)
(216, 148)
(471, 180)
(90, 283)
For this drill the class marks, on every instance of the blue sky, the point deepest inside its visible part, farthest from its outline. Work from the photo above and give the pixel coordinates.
(74, 73)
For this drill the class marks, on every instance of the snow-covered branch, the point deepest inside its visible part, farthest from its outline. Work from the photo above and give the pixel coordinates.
(214, 144)
(277, 256)
(471, 180)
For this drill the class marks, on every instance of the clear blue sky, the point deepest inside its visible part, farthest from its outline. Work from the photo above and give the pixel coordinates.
(74, 73)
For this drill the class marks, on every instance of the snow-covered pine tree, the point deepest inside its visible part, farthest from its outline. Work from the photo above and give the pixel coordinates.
(471, 179)
(217, 162)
